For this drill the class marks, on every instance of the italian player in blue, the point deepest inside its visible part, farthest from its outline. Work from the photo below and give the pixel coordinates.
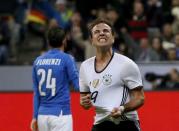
(52, 74)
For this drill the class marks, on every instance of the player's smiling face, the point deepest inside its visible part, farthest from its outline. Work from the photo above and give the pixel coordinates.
(102, 35)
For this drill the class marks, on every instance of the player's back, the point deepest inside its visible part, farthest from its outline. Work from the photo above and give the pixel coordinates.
(51, 74)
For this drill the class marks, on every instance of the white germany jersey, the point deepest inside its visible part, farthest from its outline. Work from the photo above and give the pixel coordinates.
(110, 87)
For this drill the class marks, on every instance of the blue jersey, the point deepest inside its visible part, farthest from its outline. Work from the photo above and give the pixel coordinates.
(52, 74)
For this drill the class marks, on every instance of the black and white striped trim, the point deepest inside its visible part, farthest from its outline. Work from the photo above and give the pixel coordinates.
(124, 98)
(125, 95)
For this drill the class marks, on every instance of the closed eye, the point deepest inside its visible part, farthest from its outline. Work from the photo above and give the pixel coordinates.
(106, 31)
(96, 32)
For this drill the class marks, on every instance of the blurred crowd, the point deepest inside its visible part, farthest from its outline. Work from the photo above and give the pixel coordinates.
(145, 30)
(169, 80)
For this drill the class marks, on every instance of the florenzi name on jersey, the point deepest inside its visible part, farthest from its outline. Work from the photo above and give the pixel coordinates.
(48, 62)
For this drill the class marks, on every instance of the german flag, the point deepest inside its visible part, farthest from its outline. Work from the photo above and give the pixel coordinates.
(37, 17)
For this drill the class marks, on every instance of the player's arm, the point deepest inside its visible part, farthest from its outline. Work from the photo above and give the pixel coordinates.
(33, 125)
(85, 100)
(133, 80)
(137, 99)
(73, 73)
(85, 94)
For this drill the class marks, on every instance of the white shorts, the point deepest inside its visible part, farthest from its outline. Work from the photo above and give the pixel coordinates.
(55, 123)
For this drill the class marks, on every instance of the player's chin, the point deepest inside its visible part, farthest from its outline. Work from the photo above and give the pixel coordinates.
(102, 44)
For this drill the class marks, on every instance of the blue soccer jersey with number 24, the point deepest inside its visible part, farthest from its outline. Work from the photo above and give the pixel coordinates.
(52, 74)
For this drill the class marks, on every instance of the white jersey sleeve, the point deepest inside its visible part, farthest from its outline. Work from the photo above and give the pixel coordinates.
(132, 77)
(82, 80)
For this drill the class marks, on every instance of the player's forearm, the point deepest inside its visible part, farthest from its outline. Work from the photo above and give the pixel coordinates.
(134, 104)
(76, 84)
(36, 106)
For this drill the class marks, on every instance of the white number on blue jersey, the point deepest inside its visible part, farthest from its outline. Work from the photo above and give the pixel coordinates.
(50, 82)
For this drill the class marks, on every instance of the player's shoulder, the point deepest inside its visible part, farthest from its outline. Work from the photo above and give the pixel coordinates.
(123, 59)
(39, 57)
(126, 63)
(68, 57)
(88, 61)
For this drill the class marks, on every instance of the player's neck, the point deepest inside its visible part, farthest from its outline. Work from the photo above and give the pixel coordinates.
(62, 48)
(103, 55)
(59, 48)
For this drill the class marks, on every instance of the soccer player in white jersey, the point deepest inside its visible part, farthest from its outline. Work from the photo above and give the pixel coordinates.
(52, 73)
(111, 83)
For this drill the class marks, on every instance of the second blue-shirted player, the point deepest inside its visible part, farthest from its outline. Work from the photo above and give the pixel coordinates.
(52, 73)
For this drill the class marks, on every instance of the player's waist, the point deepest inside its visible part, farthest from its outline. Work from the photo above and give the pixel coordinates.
(55, 110)
(105, 116)
(52, 103)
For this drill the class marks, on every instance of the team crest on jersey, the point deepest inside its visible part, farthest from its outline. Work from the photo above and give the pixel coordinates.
(107, 79)
(95, 83)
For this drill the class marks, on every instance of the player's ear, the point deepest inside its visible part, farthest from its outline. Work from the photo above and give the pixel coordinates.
(114, 37)
(91, 40)
(64, 42)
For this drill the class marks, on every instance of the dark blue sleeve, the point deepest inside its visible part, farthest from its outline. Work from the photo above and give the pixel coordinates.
(73, 73)
(36, 94)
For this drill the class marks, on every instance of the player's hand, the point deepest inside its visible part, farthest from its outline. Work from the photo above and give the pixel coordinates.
(85, 101)
(117, 112)
(34, 126)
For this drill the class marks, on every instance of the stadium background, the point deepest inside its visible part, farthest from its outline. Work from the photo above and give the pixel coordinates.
(22, 27)
(160, 112)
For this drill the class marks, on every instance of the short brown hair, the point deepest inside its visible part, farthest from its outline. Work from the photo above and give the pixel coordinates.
(55, 36)
(98, 21)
